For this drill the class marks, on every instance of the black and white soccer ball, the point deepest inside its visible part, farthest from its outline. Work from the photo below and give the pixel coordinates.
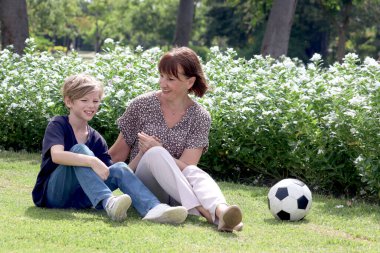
(289, 199)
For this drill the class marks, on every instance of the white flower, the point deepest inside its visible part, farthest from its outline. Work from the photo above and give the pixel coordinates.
(109, 41)
(316, 57)
(357, 100)
(370, 62)
(351, 56)
(29, 40)
(261, 71)
(13, 105)
(311, 66)
(289, 64)
(235, 70)
(12, 89)
(359, 159)
(139, 49)
(116, 79)
(267, 113)
(120, 94)
(214, 49)
(353, 131)
(334, 91)
(261, 97)
(153, 80)
(350, 113)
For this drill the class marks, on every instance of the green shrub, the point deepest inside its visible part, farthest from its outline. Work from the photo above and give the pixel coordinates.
(270, 118)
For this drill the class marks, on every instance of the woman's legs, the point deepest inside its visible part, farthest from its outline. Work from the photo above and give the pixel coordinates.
(206, 190)
(192, 187)
(212, 199)
(159, 172)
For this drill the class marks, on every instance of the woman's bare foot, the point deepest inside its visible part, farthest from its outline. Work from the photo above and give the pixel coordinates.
(205, 213)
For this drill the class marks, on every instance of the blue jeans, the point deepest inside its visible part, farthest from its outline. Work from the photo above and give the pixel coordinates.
(81, 187)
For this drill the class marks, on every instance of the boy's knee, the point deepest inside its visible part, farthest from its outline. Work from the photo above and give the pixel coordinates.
(81, 149)
(120, 168)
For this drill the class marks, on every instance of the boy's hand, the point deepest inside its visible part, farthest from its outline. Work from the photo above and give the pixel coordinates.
(100, 168)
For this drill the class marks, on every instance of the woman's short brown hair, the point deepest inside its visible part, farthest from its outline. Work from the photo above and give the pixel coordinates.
(188, 60)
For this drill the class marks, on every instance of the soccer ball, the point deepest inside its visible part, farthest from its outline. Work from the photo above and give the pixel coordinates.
(289, 199)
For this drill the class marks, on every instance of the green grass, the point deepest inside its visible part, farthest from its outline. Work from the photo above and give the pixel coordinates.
(26, 228)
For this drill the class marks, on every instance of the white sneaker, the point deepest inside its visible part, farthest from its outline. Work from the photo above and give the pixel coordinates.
(117, 207)
(164, 213)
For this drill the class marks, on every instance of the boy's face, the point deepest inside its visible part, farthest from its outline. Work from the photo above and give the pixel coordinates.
(85, 107)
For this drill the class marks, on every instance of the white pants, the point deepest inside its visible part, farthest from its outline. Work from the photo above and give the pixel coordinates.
(191, 187)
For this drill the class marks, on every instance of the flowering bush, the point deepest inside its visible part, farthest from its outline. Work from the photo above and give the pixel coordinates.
(271, 118)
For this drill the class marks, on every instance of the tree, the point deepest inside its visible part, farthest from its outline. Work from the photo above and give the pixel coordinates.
(339, 13)
(277, 32)
(184, 22)
(54, 19)
(14, 24)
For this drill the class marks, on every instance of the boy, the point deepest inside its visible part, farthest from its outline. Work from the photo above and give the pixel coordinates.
(77, 171)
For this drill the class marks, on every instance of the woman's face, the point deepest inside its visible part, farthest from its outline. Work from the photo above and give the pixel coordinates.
(172, 86)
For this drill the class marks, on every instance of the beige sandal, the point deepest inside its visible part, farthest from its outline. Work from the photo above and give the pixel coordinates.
(231, 219)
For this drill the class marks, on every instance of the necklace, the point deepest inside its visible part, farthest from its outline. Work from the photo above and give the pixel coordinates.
(176, 110)
(173, 113)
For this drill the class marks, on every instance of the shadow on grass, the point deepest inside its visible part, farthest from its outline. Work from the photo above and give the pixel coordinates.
(276, 222)
(85, 215)
(93, 215)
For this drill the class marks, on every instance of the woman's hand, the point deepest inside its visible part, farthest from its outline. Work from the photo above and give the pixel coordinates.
(100, 168)
(146, 142)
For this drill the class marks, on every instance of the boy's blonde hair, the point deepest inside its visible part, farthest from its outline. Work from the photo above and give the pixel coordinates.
(79, 85)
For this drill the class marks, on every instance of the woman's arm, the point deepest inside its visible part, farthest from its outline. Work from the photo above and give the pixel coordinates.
(120, 150)
(189, 157)
(133, 164)
(145, 143)
(60, 156)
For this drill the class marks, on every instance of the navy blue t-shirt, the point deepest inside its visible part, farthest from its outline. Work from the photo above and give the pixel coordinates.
(60, 132)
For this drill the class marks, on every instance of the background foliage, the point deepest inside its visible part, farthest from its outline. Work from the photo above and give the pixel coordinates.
(240, 24)
(271, 118)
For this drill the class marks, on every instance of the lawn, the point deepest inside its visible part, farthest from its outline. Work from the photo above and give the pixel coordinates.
(331, 226)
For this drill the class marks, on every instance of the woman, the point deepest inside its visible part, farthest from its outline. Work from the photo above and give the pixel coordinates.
(164, 133)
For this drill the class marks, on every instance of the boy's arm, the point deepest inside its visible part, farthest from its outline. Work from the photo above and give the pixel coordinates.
(60, 156)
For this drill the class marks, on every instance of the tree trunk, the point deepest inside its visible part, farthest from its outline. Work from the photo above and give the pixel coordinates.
(14, 24)
(342, 31)
(184, 23)
(277, 32)
(97, 37)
